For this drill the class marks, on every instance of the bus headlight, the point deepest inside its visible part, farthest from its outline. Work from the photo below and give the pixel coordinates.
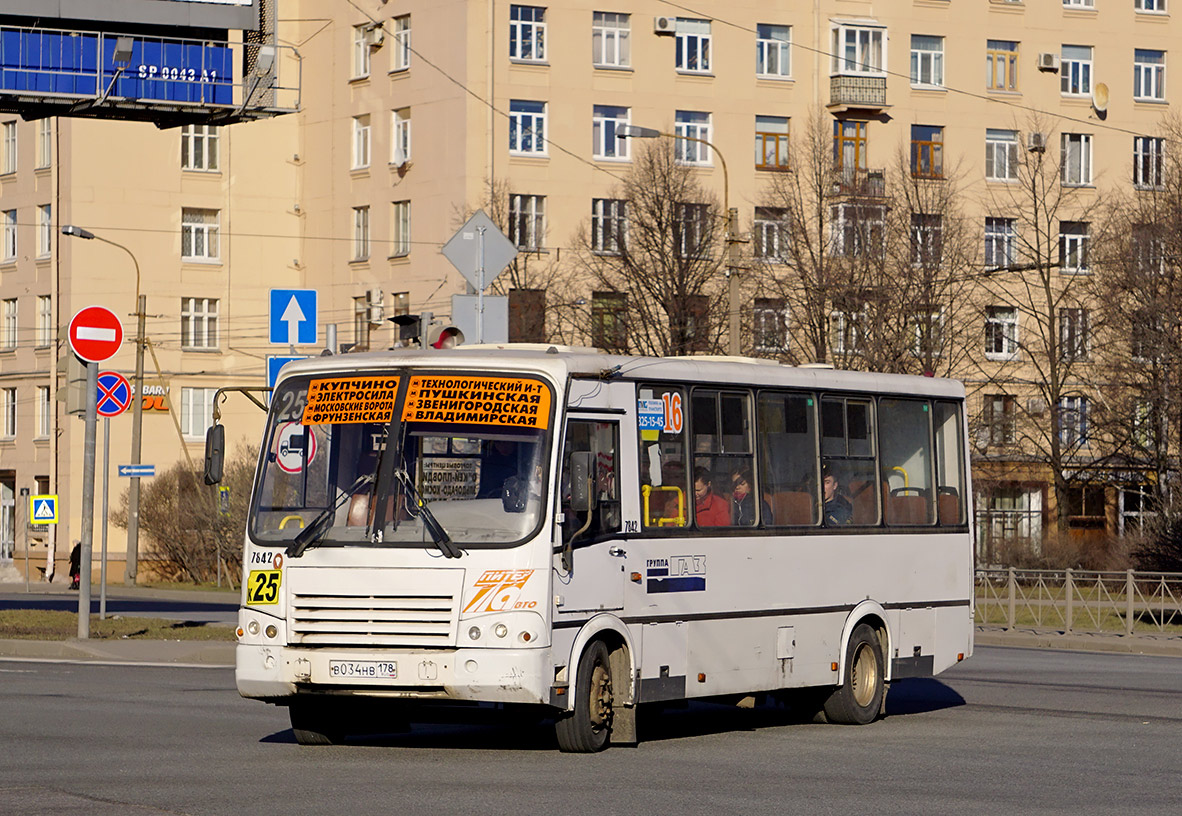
(271, 631)
(253, 627)
(474, 633)
(500, 630)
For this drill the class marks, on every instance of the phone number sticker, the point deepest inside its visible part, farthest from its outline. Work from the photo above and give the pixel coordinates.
(262, 587)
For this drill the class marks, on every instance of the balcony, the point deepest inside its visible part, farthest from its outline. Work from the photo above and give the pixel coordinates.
(857, 92)
(857, 182)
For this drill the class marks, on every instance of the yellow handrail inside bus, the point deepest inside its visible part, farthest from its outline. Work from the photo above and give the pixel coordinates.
(292, 517)
(906, 480)
(678, 520)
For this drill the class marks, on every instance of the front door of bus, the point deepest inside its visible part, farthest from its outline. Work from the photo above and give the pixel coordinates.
(590, 456)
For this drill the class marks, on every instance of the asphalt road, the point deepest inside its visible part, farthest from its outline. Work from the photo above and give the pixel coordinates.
(199, 607)
(1010, 731)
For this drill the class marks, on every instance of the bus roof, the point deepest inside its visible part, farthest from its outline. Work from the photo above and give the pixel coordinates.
(559, 362)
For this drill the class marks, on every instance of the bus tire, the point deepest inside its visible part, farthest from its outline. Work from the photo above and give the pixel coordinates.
(313, 722)
(588, 728)
(859, 698)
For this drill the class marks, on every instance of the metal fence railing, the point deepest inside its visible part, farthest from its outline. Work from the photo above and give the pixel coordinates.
(1071, 601)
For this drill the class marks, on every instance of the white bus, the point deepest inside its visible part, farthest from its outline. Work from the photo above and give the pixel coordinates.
(581, 533)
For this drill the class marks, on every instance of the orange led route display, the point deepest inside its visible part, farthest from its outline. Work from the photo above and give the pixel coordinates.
(512, 401)
(348, 400)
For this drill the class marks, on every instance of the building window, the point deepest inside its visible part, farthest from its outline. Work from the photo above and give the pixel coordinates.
(8, 165)
(1001, 65)
(8, 323)
(770, 317)
(527, 221)
(44, 143)
(927, 151)
(361, 141)
(361, 40)
(361, 323)
(199, 234)
(1074, 340)
(609, 225)
(199, 148)
(527, 33)
(361, 233)
(400, 136)
(44, 411)
(846, 331)
(611, 39)
(927, 60)
(605, 120)
(770, 234)
(1001, 414)
(1149, 74)
(1156, 6)
(8, 412)
(693, 45)
(196, 411)
(400, 233)
(858, 50)
(927, 333)
(400, 57)
(9, 218)
(1001, 154)
(849, 145)
(1148, 249)
(44, 230)
(1073, 247)
(771, 142)
(199, 323)
(45, 331)
(1137, 509)
(691, 225)
(927, 240)
(609, 321)
(1075, 70)
(1079, 3)
(1073, 421)
(773, 56)
(527, 127)
(857, 230)
(692, 125)
(1001, 332)
(1076, 158)
(1148, 152)
(999, 243)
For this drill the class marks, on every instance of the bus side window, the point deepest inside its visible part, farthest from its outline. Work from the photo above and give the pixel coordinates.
(788, 457)
(847, 449)
(600, 442)
(950, 493)
(905, 455)
(665, 493)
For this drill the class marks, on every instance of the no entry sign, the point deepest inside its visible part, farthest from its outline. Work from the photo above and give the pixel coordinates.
(95, 334)
(114, 394)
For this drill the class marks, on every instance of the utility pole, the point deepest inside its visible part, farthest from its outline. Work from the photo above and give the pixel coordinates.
(732, 276)
(137, 422)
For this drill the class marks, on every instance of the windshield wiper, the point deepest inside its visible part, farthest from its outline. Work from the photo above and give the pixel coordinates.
(438, 534)
(319, 525)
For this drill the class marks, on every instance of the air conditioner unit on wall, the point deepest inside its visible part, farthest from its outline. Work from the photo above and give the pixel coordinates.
(1036, 142)
(664, 25)
(1048, 61)
(375, 35)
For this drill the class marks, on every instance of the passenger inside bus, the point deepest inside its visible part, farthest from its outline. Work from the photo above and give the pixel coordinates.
(743, 500)
(710, 509)
(837, 508)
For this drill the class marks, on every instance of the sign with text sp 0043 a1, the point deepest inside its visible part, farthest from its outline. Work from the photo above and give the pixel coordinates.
(511, 401)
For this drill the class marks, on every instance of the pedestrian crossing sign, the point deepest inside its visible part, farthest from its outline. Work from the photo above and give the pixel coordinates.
(43, 509)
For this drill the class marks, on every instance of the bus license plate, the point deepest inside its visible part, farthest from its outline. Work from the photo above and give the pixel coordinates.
(363, 669)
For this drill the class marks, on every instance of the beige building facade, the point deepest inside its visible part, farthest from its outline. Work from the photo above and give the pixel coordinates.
(415, 114)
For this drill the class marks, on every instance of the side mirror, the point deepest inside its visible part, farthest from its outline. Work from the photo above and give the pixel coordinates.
(215, 453)
(582, 492)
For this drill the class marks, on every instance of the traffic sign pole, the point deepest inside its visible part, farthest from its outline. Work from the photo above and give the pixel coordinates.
(87, 500)
(106, 493)
(137, 424)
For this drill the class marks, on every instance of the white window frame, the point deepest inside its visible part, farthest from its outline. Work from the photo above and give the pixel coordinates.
(690, 227)
(858, 49)
(1149, 78)
(399, 229)
(770, 318)
(1085, 4)
(1150, 6)
(527, 127)
(45, 333)
(44, 143)
(1001, 151)
(9, 164)
(9, 323)
(771, 235)
(196, 412)
(200, 148)
(692, 48)
(400, 136)
(1001, 329)
(361, 233)
(857, 230)
(527, 33)
(527, 221)
(44, 412)
(1076, 159)
(609, 225)
(8, 402)
(927, 239)
(401, 53)
(199, 324)
(927, 64)
(605, 122)
(361, 53)
(1073, 421)
(611, 39)
(1075, 342)
(44, 230)
(999, 242)
(846, 331)
(918, 322)
(773, 51)
(1074, 248)
(1075, 70)
(692, 125)
(10, 235)
(361, 141)
(1148, 158)
(200, 238)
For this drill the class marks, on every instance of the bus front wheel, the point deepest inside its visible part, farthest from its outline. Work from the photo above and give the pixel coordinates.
(588, 728)
(858, 700)
(316, 722)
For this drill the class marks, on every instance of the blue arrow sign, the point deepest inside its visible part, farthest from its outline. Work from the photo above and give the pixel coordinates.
(137, 471)
(293, 316)
(273, 366)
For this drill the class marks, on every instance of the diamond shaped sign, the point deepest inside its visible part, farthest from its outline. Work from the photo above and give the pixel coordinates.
(476, 245)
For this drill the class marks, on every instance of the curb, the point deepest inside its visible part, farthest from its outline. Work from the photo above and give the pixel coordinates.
(190, 652)
(1161, 646)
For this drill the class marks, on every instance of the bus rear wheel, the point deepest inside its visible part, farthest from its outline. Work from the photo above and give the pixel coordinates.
(588, 728)
(858, 700)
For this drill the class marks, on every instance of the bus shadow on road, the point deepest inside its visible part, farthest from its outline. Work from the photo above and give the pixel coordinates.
(920, 695)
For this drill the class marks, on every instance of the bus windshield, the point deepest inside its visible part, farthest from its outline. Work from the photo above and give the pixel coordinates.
(474, 475)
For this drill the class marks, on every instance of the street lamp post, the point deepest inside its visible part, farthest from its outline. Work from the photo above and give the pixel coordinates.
(732, 225)
(137, 408)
